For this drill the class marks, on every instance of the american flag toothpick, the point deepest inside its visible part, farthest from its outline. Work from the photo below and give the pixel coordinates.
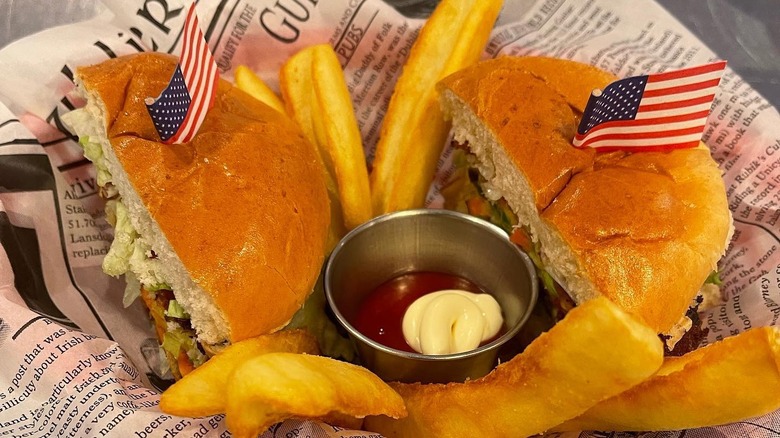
(654, 112)
(180, 109)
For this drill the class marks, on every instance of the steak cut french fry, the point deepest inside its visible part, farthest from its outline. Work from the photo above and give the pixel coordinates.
(721, 383)
(249, 82)
(414, 131)
(277, 386)
(595, 352)
(295, 81)
(297, 91)
(202, 392)
(342, 135)
(316, 94)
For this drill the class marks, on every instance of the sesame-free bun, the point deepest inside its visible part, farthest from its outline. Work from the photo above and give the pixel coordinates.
(238, 216)
(643, 229)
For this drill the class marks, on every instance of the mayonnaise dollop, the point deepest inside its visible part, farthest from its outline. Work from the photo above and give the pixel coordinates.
(451, 321)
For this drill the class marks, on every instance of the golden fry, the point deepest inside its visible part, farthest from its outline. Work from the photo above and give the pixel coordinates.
(276, 386)
(320, 133)
(596, 352)
(342, 136)
(721, 383)
(202, 392)
(414, 131)
(248, 81)
(295, 84)
(295, 81)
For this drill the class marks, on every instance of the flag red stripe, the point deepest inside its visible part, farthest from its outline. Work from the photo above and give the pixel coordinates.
(205, 100)
(693, 71)
(200, 108)
(189, 54)
(639, 148)
(201, 76)
(676, 104)
(653, 141)
(202, 87)
(207, 95)
(617, 127)
(186, 60)
(674, 111)
(197, 72)
(646, 135)
(190, 36)
(682, 88)
(650, 121)
(195, 92)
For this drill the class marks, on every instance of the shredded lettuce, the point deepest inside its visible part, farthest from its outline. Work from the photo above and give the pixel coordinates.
(129, 254)
(146, 267)
(173, 340)
(196, 356)
(548, 282)
(156, 287)
(714, 278)
(503, 217)
(80, 122)
(132, 289)
(312, 316)
(117, 261)
(175, 310)
(177, 340)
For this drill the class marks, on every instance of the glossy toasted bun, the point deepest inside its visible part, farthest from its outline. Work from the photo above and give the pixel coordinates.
(643, 229)
(239, 215)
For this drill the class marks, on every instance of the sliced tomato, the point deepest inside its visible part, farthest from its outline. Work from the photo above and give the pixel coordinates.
(157, 312)
(478, 206)
(185, 364)
(520, 238)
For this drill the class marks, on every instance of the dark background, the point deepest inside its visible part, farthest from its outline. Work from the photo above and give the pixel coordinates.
(744, 32)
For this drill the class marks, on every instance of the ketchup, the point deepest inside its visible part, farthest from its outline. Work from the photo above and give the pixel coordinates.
(381, 313)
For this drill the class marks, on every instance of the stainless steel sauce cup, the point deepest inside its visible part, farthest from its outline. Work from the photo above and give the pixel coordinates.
(438, 241)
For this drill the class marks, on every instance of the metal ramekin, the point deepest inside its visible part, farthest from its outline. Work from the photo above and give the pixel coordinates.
(429, 240)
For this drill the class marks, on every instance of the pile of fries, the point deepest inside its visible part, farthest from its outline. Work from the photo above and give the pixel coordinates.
(598, 368)
(264, 380)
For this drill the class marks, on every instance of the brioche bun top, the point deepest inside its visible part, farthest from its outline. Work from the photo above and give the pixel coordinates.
(242, 208)
(643, 229)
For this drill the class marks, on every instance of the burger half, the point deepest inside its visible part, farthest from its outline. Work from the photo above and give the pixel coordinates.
(224, 236)
(644, 229)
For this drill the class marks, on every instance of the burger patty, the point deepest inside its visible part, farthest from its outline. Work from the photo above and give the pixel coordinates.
(692, 338)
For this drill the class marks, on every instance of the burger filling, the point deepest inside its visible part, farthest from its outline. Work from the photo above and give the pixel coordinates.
(685, 336)
(177, 337)
(132, 256)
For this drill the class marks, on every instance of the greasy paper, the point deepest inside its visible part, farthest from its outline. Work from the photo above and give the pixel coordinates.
(75, 362)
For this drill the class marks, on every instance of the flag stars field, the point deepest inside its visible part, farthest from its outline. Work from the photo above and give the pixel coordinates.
(180, 109)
